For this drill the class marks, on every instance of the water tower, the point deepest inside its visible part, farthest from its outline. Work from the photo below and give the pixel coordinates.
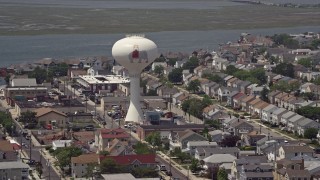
(134, 53)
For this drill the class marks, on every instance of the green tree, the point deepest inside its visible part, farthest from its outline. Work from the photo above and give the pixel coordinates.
(175, 76)
(230, 141)
(108, 165)
(285, 69)
(259, 73)
(285, 86)
(158, 70)
(264, 94)
(28, 117)
(154, 139)
(222, 174)
(144, 172)
(231, 69)
(90, 170)
(315, 43)
(306, 62)
(206, 101)
(195, 165)
(7, 78)
(311, 133)
(172, 61)
(64, 155)
(309, 112)
(192, 63)
(194, 86)
(6, 121)
(39, 169)
(142, 148)
(39, 74)
(104, 153)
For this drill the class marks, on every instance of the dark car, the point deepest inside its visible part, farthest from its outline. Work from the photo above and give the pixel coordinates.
(89, 128)
(31, 162)
(76, 128)
(168, 173)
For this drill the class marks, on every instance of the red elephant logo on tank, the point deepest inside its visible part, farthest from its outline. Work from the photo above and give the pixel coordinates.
(137, 55)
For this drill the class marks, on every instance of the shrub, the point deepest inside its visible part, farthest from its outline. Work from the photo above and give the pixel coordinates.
(48, 147)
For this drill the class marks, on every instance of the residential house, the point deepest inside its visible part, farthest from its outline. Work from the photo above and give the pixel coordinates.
(267, 113)
(206, 110)
(231, 81)
(179, 97)
(120, 70)
(46, 116)
(305, 124)
(207, 88)
(291, 169)
(256, 172)
(167, 92)
(278, 98)
(235, 101)
(218, 135)
(305, 87)
(118, 148)
(245, 103)
(284, 103)
(224, 92)
(7, 151)
(193, 145)
(295, 103)
(257, 108)
(216, 160)
(256, 90)
(179, 64)
(167, 70)
(76, 73)
(240, 127)
(14, 170)
(272, 95)
(214, 91)
(134, 161)
(243, 86)
(252, 104)
(276, 116)
(285, 118)
(217, 63)
(80, 164)
(154, 64)
(227, 78)
(104, 136)
(186, 76)
(291, 151)
(201, 70)
(250, 89)
(237, 164)
(293, 121)
(153, 85)
(74, 63)
(181, 139)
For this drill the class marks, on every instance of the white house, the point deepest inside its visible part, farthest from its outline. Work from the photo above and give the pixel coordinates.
(267, 112)
(60, 144)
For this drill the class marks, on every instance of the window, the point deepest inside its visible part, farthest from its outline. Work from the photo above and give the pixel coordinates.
(295, 154)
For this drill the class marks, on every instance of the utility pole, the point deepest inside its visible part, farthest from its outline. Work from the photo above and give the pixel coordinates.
(21, 143)
(30, 147)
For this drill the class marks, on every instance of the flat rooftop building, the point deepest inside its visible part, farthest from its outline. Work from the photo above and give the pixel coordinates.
(101, 82)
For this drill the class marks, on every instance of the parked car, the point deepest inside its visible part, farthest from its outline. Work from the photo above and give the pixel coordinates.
(89, 128)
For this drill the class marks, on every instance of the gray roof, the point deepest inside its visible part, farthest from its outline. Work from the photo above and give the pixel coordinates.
(219, 150)
(13, 165)
(270, 107)
(24, 82)
(279, 111)
(288, 114)
(202, 143)
(219, 158)
(295, 118)
(216, 132)
(308, 122)
(259, 174)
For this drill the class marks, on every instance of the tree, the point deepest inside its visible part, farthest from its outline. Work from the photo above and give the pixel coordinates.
(194, 86)
(192, 63)
(154, 139)
(175, 76)
(90, 170)
(259, 73)
(108, 165)
(64, 155)
(195, 165)
(213, 77)
(309, 112)
(28, 117)
(141, 148)
(264, 94)
(285, 86)
(231, 69)
(222, 174)
(104, 153)
(39, 74)
(311, 133)
(230, 141)
(206, 101)
(306, 62)
(158, 70)
(315, 43)
(39, 169)
(285, 69)
(7, 78)
(172, 61)
(144, 172)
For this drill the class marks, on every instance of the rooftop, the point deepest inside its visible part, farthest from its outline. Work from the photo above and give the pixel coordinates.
(85, 159)
(24, 82)
(13, 165)
(105, 79)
